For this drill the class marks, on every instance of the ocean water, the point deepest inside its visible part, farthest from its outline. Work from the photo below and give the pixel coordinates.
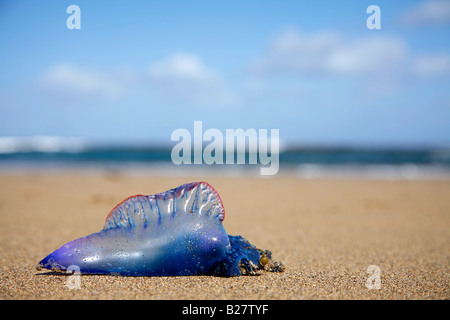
(62, 154)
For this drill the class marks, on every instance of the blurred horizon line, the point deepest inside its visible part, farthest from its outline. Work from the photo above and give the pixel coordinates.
(309, 161)
(56, 144)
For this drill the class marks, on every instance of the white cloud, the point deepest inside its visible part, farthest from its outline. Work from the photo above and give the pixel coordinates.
(373, 65)
(78, 83)
(432, 66)
(186, 78)
(428, 13)
(371, 55)
(183, 66)
(384, 59)
(329, 53)
(293, 52)
(179, 78)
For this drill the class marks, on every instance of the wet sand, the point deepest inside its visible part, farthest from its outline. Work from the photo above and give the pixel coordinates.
(326, 232)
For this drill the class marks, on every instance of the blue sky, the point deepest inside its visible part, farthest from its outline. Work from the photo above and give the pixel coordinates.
(137, 70)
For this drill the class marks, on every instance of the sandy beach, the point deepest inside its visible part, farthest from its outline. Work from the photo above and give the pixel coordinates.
(326, 232)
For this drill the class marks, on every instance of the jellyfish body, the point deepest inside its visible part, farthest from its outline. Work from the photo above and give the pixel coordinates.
(174, 233)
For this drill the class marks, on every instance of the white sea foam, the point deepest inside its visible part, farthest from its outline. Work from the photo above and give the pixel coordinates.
(40, 144)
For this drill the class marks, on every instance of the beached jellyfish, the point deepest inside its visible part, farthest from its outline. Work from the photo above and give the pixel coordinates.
(177, 232)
